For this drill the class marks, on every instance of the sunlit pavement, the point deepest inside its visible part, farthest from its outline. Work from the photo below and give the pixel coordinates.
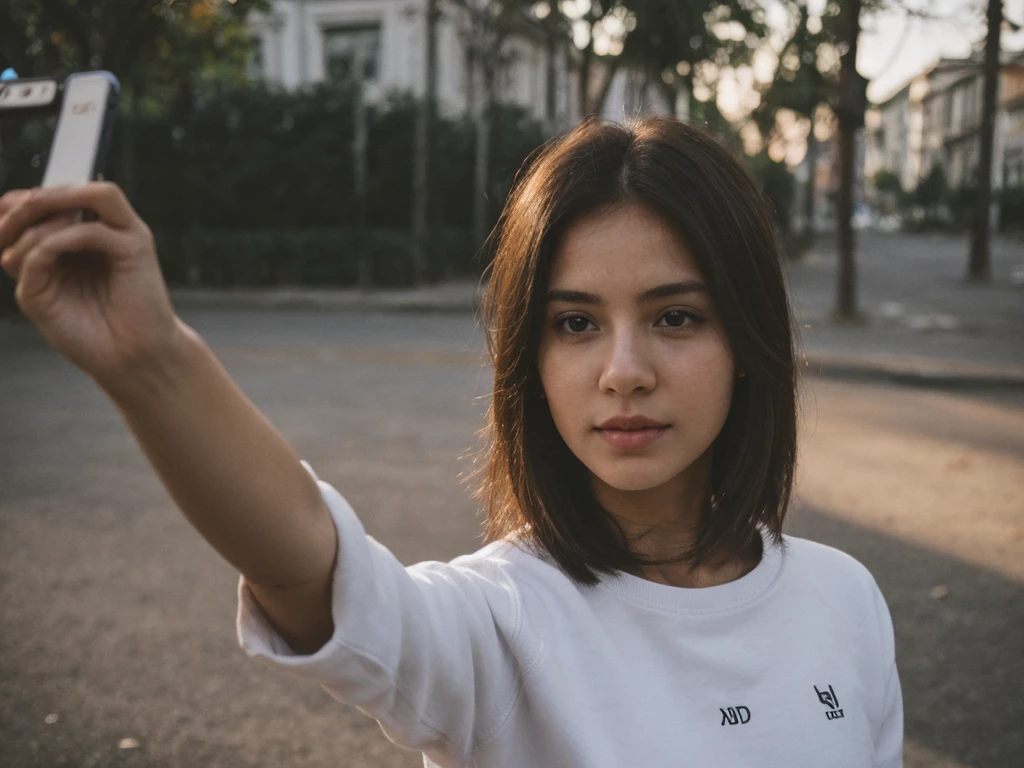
(118, 645)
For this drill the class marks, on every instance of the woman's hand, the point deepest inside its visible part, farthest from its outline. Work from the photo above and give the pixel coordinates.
(93, 288)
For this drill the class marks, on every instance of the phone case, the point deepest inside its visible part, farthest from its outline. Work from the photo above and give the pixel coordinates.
(102, 144)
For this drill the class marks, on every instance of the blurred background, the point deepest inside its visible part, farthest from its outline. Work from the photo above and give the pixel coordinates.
(321, 177)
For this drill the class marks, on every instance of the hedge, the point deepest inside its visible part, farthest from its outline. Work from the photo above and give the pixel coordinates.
(312, 256)
(257, 183)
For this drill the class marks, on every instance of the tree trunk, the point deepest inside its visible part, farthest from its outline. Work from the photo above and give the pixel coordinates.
(810, 189)
(483, 155)
(606, 86)
(359, 140)
(551, 83)
(980, 264)
(586, 58)
(422, 149)
(472, 87)
(851, 118)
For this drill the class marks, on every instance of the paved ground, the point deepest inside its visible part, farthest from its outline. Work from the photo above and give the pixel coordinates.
(118, 619)
(915, 300)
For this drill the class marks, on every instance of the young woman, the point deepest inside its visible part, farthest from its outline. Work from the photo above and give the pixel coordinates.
(637, 603)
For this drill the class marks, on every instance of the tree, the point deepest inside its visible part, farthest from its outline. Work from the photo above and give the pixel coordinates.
(674, 42)
(980, 266)
(663, 39)
(135, 39)
(779, 187)
(931, 191)
(557, 35)
(487, 26)
(804, 80)
(154, 54)
(891, 196)
(887, 182)
(850, 108)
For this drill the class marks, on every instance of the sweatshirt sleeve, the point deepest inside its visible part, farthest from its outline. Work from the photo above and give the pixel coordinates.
(427, 651)
(889, 741)
(889, 735)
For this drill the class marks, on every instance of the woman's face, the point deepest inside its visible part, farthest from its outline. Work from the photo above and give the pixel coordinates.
(631, 334)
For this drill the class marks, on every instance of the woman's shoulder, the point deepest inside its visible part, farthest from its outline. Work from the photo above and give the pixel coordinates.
(804, 553)
(513, 556)
(836, 576)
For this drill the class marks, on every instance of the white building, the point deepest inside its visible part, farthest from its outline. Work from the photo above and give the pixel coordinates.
(935, 120)
(305, 41)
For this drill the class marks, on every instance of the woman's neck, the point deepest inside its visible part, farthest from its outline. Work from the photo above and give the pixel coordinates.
(662, 522)
(705, 575)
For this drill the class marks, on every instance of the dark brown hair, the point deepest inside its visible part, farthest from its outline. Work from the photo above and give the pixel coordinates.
(534, 490)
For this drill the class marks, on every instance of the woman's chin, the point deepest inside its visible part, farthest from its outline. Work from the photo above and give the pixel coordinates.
(633, 481)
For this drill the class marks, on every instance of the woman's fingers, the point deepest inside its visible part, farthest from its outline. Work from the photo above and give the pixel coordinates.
(38, 267)
(13, 256)
(20, 209)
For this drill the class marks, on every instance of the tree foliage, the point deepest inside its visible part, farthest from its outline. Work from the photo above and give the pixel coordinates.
(156, 42)
(663, 39)
(807, 72)
(887, 182)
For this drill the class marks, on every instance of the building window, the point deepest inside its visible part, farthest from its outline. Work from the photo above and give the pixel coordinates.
(352, 50)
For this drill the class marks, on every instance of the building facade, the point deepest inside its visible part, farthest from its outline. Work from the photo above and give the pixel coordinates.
(383, 41)
(935, 120)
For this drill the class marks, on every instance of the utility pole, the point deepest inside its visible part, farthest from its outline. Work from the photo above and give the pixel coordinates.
(979, 267)
(359, 139)
(483, 151)
(423, 146)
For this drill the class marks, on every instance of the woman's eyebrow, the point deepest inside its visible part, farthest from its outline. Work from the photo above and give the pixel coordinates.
(659, 292)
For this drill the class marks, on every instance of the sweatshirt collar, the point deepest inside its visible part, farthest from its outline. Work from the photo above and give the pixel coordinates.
(723, 597)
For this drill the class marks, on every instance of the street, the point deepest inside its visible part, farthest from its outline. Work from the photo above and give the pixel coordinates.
(119, 646)
(914, 299)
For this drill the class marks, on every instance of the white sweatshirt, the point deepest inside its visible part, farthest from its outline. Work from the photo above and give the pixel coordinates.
(499, 659)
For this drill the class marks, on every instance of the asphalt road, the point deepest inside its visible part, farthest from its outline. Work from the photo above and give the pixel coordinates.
(118, 620)
(914, 298)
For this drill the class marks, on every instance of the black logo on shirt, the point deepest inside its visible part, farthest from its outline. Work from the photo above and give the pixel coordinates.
(830, 700)
(735, 715)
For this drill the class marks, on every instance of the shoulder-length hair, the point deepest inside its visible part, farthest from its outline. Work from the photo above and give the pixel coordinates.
(533, 489)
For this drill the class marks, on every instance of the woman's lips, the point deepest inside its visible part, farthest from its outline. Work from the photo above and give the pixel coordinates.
(631, 439)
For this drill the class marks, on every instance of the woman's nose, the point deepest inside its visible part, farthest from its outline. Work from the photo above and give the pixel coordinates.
(627, 365)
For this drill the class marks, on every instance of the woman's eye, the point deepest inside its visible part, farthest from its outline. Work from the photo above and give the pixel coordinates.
(676, 318)
(574, 324)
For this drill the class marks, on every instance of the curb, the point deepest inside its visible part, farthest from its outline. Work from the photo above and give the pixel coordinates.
(916, 371)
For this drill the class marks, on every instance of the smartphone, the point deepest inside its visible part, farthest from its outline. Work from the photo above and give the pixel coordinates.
(80, 143)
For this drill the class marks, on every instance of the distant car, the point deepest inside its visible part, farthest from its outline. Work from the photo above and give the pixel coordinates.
(888, 223)
(863, 217)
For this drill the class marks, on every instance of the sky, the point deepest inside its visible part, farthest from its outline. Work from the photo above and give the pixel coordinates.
(895, 47)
